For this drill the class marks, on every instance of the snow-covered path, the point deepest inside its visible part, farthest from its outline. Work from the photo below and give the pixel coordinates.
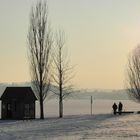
(83, 127)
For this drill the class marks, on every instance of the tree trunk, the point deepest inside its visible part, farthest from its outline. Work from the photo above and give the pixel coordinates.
(41, 109)
(41, 102)
(60, 98)
(61, 108)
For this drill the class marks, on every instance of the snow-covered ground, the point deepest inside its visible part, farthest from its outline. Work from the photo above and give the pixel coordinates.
(79, 127)
(77, 123)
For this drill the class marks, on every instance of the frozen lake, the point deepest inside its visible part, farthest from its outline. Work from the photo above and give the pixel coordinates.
(82, 106)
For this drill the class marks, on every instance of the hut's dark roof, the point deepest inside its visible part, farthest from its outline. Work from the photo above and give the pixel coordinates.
(19, 93)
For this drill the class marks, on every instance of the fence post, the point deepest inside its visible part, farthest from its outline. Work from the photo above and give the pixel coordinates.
(91, 101)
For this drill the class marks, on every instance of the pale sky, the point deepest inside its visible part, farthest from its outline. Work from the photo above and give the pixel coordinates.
(100, 34)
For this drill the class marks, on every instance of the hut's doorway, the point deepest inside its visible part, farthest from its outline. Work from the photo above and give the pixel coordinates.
(9, 111)
(26, 110)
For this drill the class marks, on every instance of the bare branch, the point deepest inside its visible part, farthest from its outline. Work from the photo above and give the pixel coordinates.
(133, 75)
(62, 71)
(40, 42)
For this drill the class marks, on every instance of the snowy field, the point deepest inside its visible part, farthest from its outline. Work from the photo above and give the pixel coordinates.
(77, 123)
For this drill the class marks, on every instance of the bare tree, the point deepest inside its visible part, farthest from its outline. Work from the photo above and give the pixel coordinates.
(39, 50)
(63, 71)
(133, 74)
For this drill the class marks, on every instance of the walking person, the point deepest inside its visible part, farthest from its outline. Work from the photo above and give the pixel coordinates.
(120, 107)
(114, 106)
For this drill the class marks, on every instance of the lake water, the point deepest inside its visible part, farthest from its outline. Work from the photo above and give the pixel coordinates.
(82, 106)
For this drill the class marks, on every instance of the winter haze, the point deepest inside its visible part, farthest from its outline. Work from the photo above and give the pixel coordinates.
(99, 35)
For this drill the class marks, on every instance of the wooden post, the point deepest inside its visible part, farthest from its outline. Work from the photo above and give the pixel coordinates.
(91, 101)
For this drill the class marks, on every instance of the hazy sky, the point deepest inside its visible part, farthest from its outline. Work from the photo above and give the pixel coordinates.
(100, 34)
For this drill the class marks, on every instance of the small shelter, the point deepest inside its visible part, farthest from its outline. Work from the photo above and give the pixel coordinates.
(18, 103)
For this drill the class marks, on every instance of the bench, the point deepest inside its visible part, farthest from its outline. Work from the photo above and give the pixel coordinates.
(126, 112)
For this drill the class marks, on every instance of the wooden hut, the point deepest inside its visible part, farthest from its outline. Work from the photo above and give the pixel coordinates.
(18, 103)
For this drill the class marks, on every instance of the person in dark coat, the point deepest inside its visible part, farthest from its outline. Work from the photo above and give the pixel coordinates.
(120, 107)
(114, 106)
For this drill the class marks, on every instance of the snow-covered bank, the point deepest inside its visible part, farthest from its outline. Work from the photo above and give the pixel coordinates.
(80, 127)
